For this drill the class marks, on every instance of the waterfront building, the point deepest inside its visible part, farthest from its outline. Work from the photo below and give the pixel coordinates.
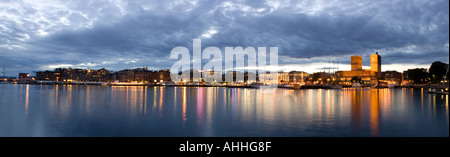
(191, 75)
(237, 77)
(283, 77)
(126, 75)
(47, 75)
(321, 78)
(73, 75)
(268, 78)
(142, 76)
(298, 77)
(356, 63)
(101, 75)
(375, 64)
(182, 76)
(250, 77)
(391, 77)
(24, 77)
(213, 76)
(162, 76)
(366, 75)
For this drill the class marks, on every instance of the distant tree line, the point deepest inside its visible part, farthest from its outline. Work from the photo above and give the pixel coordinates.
(438, 70)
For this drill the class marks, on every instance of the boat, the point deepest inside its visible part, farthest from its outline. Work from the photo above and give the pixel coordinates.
(356, 85)
(391, 85)
(257, 85)
(336, 87)
(106, 84)
(213, 84)
(380, 86)
(286, 86)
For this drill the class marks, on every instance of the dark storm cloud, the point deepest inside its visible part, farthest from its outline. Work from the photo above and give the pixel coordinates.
(127, 34)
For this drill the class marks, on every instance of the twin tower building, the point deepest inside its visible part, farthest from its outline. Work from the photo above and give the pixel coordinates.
(367, 75)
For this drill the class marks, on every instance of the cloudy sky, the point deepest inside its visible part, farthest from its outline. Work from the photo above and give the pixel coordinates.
(46, 34)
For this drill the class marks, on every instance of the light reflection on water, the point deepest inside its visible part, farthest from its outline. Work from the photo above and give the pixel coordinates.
(39, 110)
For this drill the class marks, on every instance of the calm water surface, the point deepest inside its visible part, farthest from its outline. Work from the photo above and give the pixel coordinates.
(40, 110)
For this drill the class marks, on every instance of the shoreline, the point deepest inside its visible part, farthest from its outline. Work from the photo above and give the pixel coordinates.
(234, 86)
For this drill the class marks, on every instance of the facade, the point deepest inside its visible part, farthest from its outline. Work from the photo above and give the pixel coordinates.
(392, 77)
(371, 75)
(73, 75)
(375, 64)
(268, 78)
(237, 76)
(283, 77)
(213, 76)
(162, 76)
(405, 75)
(24, 77)
(45, 75)
(49, 75)
(356, 62)
(364, 75)
(298, 77)
(183, 76)
(103, 75)
(194, 75)
(142, 75)
(123, 76)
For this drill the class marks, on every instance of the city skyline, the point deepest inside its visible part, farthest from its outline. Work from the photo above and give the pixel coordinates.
(198, 77)
(42, 35)
(332, 68)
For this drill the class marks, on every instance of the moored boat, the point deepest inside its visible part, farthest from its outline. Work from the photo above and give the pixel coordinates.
(356, 85)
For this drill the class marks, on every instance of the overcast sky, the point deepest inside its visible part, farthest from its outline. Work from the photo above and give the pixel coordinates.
(46, 34)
